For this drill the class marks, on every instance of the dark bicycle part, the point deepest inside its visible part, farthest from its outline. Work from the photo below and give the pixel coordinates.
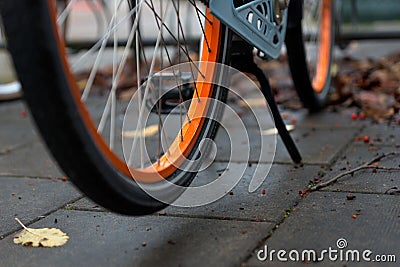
(259, 22)
(242, 59)
(311, 75)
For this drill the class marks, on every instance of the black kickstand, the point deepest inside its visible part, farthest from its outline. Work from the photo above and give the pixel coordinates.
(242, 59)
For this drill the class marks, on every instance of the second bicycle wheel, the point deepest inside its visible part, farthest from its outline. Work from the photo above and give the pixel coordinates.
(78, 97)
(309, 48)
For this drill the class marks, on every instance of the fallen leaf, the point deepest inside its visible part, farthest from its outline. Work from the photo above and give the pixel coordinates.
(43, 237)
(274, 131)
(148, 131)
(252, 103)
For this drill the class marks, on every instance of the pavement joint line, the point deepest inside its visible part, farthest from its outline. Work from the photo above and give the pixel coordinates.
(102, 210)
(336, 157)
(356, 192)
(262, 241)
(286, 163)
(6, 151)
(358, 144)
(326, 127)
(218, 218)
(295, 164)
(329, 165)
(13, 176)
(40, 217)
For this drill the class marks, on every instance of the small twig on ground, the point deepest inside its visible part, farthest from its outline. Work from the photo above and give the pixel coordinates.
(367, 165)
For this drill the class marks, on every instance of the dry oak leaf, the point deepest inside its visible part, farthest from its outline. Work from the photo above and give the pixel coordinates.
(44, 237)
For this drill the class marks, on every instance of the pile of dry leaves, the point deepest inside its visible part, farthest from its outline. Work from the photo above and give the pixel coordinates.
(371, 85)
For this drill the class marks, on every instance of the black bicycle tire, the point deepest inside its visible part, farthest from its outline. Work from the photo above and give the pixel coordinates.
(32, 43)
(299, 70)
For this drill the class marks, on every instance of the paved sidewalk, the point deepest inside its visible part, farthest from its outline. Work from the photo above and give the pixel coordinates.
(228, 232)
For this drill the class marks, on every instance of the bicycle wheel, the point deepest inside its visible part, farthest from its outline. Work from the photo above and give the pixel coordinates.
(78, 118)
(309, 48)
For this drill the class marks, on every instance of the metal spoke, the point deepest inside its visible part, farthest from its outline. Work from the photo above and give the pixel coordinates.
(107, 34)
(187, 50)
(113, 93)
(180, 32)
(96, 65)
(174, 38)
(118, 74)
(202, 29)
(193, 2)
(65, 13)
(177, 70)
(146, 91)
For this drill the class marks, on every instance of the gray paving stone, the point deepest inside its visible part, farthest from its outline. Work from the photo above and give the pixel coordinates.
(330, 130)
(383, 134)
(323, 218)
(85, 204)
(16, 134)
(11, 108)
(282, 187)
(281, 193)
(368, 181)
(28, 198)
(16, 130)
(319, 136)
(224, 144)
(105, 239)
(32, 160)
(339, 118)
(317, 146)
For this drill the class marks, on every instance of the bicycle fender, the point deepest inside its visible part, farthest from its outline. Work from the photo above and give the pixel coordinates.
(252, 22)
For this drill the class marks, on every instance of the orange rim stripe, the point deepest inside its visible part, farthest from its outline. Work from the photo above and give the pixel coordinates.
(324, 48)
